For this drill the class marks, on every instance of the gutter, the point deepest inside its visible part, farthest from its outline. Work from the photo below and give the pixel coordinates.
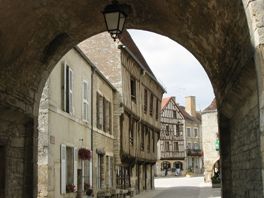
(92, 125)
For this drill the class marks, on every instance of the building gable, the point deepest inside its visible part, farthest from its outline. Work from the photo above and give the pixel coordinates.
(170, 109)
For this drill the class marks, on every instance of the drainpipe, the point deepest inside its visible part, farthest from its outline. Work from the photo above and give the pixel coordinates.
(92, 125)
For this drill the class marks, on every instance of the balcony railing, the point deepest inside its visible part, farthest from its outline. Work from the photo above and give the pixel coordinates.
(172, 154)
(194, 152)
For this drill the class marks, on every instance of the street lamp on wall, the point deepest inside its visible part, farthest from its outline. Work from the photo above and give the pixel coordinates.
(115, 17)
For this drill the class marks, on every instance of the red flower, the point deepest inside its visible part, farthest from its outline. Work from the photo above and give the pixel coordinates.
(70, 188)
(84, 154)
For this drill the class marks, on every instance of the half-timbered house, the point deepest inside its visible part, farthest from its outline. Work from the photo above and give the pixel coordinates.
(171, 145)
(137, 112)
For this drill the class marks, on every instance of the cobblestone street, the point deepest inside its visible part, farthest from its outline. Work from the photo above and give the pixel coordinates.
(182, 187)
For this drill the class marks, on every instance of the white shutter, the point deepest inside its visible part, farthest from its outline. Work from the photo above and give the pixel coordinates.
(65, 87)
(75, 166)
(91, 172)
(63, 168)
(70, 91)
(85, 100)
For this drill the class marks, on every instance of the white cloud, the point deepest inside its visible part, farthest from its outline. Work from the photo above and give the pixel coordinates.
(178, 70)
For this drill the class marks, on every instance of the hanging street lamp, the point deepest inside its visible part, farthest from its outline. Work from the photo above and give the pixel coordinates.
(115, 17)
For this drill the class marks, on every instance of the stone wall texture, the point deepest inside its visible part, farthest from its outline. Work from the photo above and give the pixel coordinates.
(210, 135)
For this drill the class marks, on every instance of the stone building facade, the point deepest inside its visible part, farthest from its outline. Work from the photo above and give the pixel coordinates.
(65, 128)
(171, 145)
(138, 116)
(193, 136)
(103, 94)
(210, 138)
(88, 125)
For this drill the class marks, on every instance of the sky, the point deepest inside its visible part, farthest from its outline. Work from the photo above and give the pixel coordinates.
(175, 67)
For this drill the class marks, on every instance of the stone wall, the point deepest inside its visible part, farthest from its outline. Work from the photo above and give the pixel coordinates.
(43, 143)
(210, 132)
(245, 152)
(16, 136)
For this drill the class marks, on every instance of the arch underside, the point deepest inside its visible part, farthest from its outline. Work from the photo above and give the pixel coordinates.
(215, 32)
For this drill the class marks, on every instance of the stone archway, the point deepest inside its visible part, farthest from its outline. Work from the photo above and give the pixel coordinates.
(225, 36)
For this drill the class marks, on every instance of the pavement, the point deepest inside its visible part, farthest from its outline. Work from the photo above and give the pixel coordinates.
(181, 187)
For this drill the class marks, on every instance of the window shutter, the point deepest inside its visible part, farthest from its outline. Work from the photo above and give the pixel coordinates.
(85, 101)
(75, 166)
(63, 168)
(97, 110)
(104, 114)
(70, 90)
(101, 112)
(91, 172)
(65, 87)
(110, 118)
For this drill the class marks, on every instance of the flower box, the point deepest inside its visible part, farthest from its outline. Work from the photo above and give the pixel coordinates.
(70, 188)
(84, 154)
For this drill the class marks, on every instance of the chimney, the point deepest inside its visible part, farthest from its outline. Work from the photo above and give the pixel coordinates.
(174, 98)
(190, 105)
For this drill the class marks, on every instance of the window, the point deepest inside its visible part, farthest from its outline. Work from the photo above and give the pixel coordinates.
(189, 145)
(195, 132)
(85, 100)
(167, 130)
(132, 131)
(181, 129)
(196, 146)
(68, 89)
(100, 111)
(189, 132)
(107, 116)
(87, 168)
(176, 146)
(177, 129)
(157, 109)
(104, 114)
(133, 89)
(167, 146)
(167, 127)
(148, 138)
(145, 100)
(122, 177)
(153, 141)
(151, 105)
(142, 145)
(100, 168)
(69, 163)
(174, 114)
(109, 171)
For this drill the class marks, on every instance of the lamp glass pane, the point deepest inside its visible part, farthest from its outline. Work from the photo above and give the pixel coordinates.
(121, 22)
(112, 20)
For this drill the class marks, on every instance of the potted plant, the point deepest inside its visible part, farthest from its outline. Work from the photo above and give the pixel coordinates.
(216, 181)
(84, 154)
(70, 188)
(88, 190)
